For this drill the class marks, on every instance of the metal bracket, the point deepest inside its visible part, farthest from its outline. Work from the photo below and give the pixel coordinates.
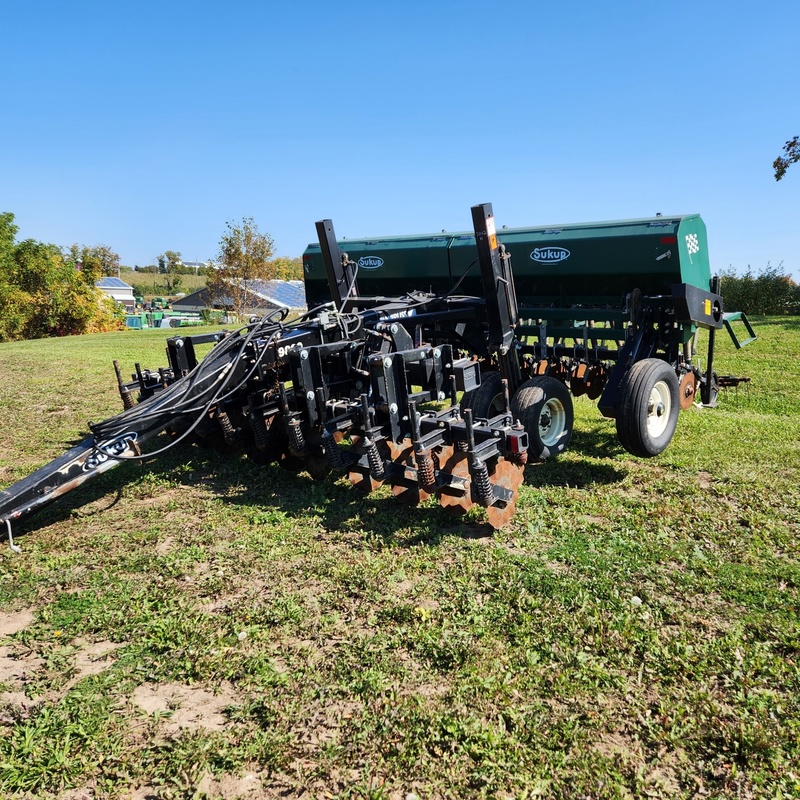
(734, 316)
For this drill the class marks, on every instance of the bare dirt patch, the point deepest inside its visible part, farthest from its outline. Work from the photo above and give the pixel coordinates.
(85, 793)
(705, 479)
(186, 707)
(91, 658)
(232, 787)
(615, 744)
(19, 667)
(12, 622)
(404, 587)
(144, 793)
(16, 669)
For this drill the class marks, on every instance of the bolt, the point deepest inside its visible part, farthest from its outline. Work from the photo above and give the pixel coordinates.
(394, 329)
(442, 395)
(393, 408)
(437, 353)
(309, 395)
(387, 362)
(304, 354)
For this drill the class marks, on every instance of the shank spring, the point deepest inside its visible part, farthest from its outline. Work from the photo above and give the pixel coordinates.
(481, 483)
(228, 431)
(333, 452)
(297, 441)
(376, 466)
(260, 433)
(425, 468)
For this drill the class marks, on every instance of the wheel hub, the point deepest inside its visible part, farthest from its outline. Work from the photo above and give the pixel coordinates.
(656, 408)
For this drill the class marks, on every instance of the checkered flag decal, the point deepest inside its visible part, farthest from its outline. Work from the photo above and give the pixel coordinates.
(692, 245)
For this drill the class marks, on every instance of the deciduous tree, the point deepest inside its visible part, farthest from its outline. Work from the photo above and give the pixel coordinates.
(287, 269)
(171, 265)
(43, 294)
(95, 262)
(245, 255)
(792, 156)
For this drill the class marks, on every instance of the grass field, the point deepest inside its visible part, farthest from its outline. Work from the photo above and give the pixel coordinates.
(199, 627)
(153, 284)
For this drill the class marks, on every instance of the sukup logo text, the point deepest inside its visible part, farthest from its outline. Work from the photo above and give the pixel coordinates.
(549, 255)
(370, 262)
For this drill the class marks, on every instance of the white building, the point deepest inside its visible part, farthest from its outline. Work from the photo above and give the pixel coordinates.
(118, 290)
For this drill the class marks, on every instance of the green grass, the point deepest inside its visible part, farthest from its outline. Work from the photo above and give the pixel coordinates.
(152, 284)
(634, 633)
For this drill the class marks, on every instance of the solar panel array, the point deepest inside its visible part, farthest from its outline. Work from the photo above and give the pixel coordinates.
(289, 294)
(112, 283)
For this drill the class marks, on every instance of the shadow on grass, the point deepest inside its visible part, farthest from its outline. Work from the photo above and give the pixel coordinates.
(337, 505)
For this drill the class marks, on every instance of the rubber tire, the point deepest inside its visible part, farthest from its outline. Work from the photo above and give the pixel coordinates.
(487, 400)
(528, 405)
(633, 410)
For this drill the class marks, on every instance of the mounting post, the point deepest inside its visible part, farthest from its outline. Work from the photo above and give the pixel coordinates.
(706, 390)
(498, 289)
(340, 271)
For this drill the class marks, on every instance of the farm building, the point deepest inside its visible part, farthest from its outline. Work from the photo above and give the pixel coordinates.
(117, 289)
(263, 296)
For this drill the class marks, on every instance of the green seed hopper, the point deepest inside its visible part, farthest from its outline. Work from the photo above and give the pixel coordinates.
(594, 300)
(595, 263)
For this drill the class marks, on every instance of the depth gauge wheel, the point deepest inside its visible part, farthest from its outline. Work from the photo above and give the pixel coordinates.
(487, 400)
(648, 408)
(544, 406)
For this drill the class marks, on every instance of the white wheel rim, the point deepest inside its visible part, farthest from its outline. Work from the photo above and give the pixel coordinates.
(552, 422)
(659, 406)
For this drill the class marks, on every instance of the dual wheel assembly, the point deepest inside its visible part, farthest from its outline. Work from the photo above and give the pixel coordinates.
(650, 399)
(542, 404)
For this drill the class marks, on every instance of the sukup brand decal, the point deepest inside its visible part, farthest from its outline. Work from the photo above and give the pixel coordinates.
(549, 255)
(370, 262)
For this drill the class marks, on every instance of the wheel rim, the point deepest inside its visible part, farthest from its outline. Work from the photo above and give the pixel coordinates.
(659, 406)
(552, 422)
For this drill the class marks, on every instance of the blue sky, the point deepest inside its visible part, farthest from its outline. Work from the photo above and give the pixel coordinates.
(146, 126)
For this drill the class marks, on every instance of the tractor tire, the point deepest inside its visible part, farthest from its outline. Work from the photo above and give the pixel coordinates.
(544, 407)
(487, 400)
(648, 408)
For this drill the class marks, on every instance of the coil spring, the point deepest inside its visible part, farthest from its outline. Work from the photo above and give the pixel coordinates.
(425, 468)
(520, 459)
(127, 399)
(228, 431)
(333, 452)
(376, 465)
(260, 433)
(480, 480)
(461, 447)
(297, 441)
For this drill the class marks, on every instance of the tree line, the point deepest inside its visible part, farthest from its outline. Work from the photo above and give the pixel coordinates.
(769, 292)
(49, 291)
